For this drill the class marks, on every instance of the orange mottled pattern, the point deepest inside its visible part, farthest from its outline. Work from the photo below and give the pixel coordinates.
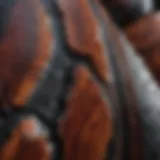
(83, 33)
(25, 49)
(26, 143)
(87, 127)
(145, 37)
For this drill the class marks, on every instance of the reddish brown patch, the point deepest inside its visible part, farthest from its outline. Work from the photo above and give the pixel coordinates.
(145, 32)
(83, 33)
(21, 147)
(25, 50)
(145, 37)
(86, 128)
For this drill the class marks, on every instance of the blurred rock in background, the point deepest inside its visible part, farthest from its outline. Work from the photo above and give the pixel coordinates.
(125, 12)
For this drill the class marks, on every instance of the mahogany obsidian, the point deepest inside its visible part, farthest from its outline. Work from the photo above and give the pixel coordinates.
(73, 86)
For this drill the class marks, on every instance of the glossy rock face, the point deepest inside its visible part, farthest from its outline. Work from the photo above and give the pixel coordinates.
(84, 108)
(86, 118)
